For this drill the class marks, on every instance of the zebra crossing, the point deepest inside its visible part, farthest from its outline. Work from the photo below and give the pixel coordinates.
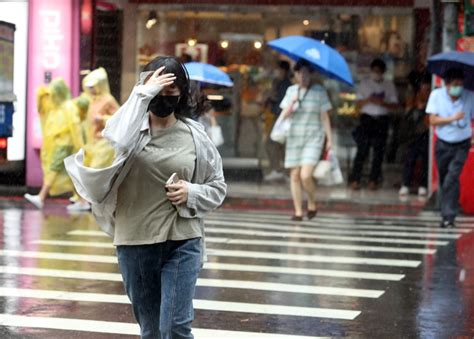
(266, 277)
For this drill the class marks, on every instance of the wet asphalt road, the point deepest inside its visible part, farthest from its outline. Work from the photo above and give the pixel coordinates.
(394, 276)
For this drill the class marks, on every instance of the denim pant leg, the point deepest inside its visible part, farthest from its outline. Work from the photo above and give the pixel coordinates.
(178, 283)
(140, 266)
(450, 161)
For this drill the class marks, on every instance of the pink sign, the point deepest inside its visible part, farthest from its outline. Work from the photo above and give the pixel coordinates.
(53, 51)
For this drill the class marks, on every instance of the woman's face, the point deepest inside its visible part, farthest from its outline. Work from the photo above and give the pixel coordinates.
(303, 76)
(172, 89)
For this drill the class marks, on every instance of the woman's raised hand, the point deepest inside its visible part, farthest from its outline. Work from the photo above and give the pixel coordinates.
(159, 79)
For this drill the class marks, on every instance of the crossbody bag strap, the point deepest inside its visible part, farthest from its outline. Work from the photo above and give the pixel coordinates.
(300, 100)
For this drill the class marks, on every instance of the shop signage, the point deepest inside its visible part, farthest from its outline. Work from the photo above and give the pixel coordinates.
(378, 3)
(198, 52)
(52, 38)
(53, 51)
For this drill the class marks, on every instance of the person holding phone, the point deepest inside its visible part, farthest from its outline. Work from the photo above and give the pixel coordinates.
(376, 98)
(451, 110)
(160, 248)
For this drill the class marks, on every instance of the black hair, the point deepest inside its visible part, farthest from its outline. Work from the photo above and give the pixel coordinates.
(198, 101)
(416, 79)
(173, 65)
(302, 63)
(284, 65)
(378, 63)
(453, 74)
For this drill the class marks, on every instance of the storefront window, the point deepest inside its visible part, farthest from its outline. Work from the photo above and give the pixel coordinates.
(234, 37)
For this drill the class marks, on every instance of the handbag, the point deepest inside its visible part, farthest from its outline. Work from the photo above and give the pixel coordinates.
(323, 167)
(215, 133)
(280, 129)
(328, 171)
(282, 126)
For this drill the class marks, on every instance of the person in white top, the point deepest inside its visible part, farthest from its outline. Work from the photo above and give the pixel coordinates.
(451, 110)
(376, 98)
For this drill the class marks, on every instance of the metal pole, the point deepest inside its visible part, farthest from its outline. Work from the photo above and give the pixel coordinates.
(435, 28)
(450, 18)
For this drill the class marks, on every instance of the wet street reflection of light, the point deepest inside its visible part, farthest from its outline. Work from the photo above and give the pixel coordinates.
(12, 233)
(337, 275)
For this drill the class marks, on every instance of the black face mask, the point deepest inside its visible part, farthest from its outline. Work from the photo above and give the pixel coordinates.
(163, 105)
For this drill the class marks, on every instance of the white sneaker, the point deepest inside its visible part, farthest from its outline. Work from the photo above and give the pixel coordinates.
(274, 175)
(35, 200)
(422, 191)
(403, 191)
(79, 206)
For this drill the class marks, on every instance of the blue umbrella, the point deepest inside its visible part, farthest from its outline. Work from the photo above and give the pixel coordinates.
(324, 58)
(207, 73)
(440, 63)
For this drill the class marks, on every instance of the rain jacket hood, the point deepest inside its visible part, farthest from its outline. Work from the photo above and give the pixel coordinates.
(98, 80)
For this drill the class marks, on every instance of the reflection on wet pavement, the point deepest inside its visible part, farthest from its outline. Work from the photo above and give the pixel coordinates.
(343, 274)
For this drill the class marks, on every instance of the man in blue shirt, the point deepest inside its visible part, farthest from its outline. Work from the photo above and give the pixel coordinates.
(451, 110)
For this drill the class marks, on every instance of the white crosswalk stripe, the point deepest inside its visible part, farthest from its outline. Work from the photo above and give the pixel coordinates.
(221, 283)
(221, 240)
(113, 327)
(255, 225)
(334, 262)
(292, 235)
(314, 258)
(235, 230)
(422, 217)
(336, 247)
(260, 254)
(335, 224)
(198, 304)
(210, 266)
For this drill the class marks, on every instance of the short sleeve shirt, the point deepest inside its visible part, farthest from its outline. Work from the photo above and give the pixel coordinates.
(316, 99)
(384, 90)
(441, 104)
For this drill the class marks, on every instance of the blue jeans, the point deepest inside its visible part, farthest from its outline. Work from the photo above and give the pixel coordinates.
(160, 280)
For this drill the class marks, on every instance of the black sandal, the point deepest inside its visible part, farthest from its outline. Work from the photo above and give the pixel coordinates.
(311, 214)
(296, 218)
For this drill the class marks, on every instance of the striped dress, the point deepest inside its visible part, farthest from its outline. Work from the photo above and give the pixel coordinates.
(305, 140)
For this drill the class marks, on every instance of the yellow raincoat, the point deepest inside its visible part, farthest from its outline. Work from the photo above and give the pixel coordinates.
(62, 136)
(102, 105)
(82, 104)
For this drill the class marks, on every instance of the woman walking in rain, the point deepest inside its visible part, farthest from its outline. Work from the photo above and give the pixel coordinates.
(157, 225)
(62, 136)
(307, 105)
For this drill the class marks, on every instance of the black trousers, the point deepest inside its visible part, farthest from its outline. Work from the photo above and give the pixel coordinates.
(418, 149)
(450, 159)
(371, 133)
